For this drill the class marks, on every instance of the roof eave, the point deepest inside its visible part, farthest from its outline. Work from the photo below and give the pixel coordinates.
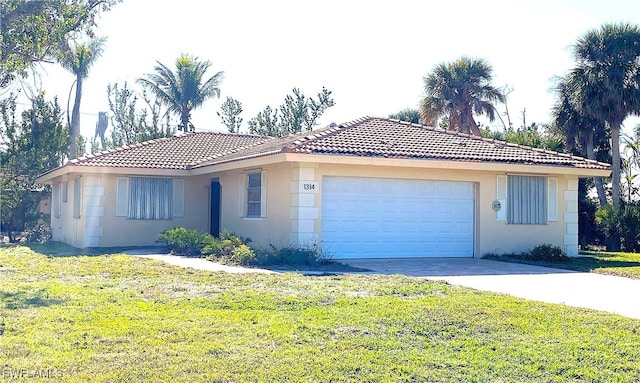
(47, 178)
(448, 164)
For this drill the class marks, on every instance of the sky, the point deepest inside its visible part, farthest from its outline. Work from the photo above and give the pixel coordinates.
(372, 54)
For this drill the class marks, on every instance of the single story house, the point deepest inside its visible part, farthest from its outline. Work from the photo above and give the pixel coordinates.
(373, 187)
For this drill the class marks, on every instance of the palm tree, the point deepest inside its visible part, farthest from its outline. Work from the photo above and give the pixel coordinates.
(185, 89)
(458, 90)
(79, 60)
(608, 62)
(581, 130)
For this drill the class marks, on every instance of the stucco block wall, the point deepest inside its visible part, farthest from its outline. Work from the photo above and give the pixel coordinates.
(293, 214)
(272, 229)
(122, 231)
(98, 225)
(65, 228)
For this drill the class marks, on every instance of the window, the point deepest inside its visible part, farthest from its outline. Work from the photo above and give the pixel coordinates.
(55, 200)
(150, 198)
(64, 189)
(527, 200)
(77, 188)
(254, 195)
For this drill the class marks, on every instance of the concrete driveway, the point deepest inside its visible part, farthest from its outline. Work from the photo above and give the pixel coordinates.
(616, 295)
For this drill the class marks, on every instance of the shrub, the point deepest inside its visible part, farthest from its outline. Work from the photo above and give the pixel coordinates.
(182, 241)
(294, 255)
(230, 249)
(545, 252)
(240, 255)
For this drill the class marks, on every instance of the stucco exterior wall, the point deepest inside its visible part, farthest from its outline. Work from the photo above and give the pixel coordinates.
(123, 231)
(98, 225)
(293, 213)
(274, 227)
(64, 227)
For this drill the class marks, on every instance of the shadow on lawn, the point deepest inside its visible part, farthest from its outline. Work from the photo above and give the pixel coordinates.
(584, 264)
(58, 249)
(25, 299)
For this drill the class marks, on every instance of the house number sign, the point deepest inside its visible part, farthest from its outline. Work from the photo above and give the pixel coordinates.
(496, 205)
(309, 187)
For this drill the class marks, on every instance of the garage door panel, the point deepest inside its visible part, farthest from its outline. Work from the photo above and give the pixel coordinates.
(365, 217)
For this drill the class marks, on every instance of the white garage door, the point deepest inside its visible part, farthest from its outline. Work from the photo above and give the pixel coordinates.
(390, 218)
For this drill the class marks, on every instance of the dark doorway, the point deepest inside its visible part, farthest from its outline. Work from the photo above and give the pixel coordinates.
(216, 194)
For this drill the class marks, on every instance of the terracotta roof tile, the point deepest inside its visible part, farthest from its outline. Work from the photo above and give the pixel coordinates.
(365, 137)
(178, 152)
(387, 138)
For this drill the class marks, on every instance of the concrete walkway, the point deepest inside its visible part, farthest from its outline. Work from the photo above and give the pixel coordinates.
(195, 263)
(616, 295)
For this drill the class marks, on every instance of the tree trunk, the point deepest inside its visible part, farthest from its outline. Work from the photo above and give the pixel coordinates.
(74, 129)
(614, 243)
(184, 120)
(474, 127)
(591, 154)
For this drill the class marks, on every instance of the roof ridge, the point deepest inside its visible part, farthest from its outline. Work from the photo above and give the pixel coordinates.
(229, 134)
(235, 150)
(313, 135)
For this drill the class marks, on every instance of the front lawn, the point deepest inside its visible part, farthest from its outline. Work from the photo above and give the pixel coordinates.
(620, 264)
(115, 318)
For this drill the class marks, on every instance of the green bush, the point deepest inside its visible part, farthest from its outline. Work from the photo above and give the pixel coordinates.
(545, 252)
(240, 255)
(294, 255)
(182, 241)
(230, 249)
(623, 223)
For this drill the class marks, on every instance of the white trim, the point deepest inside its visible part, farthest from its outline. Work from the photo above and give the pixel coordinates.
(552, 199)
(178, 198)
(263, 194)
(122, 197)
(77, 197)
(501, 196)
(242, 195)
(64, 190)
(55, 200)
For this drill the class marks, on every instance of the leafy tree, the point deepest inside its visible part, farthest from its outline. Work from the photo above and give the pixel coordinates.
(535, 136)
(230, 114)
(458, 90)
(79, 60)
(408, 114)
(37, 143)
(185, 89)
(131, 123)
(266, 123)
(298, 113)
(35, 31)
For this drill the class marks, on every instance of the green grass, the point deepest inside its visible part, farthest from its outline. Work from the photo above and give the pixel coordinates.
(112, 318)
(620, 264)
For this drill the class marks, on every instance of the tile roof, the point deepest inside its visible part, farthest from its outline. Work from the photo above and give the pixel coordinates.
(177, 152)
(387, 138)
(365, 137)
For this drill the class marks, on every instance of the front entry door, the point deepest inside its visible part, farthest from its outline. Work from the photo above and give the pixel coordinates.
(216, 193)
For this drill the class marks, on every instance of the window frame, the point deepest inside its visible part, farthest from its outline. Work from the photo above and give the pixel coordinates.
(243, 194)
(529, 193)
(155, 209)
(253, 192)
